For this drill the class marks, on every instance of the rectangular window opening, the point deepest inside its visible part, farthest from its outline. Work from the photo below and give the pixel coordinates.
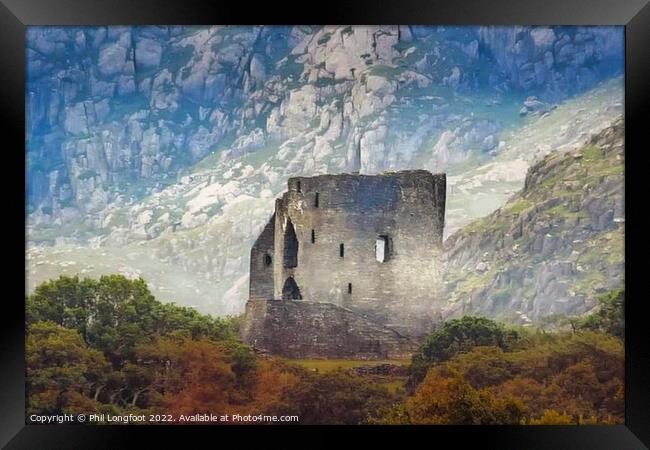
(381, 248)
(349, 288)
(341, 250)
(313, 236)
(316, 200)
(298, 186)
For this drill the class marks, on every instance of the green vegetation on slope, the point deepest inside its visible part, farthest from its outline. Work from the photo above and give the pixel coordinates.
(567, 221)
(107, 346)
(473, 370)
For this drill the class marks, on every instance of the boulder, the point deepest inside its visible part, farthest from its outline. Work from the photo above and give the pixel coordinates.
(148, 53)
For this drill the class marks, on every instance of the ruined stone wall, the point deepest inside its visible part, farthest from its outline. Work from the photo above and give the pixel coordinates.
(254, 324)
(354, 211)
(317, 259)
(261, 264)
(301, 329)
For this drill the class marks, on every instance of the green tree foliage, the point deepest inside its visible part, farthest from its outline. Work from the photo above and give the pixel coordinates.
(67, 302)
(108, 346)
(242, 359)
(123, 314)
(61, 370)
(610, 317)
(444, 399)
(566, 378)
(114, 313)
(89, 344)
(456, 336)
(336, 398)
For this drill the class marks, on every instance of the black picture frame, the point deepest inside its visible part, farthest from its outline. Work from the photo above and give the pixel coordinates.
(16, 15)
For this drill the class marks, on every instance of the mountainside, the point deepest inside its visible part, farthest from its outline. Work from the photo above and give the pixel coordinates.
(554, 246)
(158, 151)
(207, 266)
(117, 112)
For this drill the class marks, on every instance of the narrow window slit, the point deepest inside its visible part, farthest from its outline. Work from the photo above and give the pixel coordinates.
(341, 250)
(313, 236)
(349, 288)
(316, 200)
(298, 188)
(290, 246)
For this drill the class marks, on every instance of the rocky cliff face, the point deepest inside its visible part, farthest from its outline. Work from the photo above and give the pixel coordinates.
(554, 246)
(116, 112)
(158, 151)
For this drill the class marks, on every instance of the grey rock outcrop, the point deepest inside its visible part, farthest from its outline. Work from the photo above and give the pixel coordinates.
(156, 100)
(553, 247)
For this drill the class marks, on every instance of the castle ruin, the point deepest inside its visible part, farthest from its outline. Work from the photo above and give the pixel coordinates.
(348, 266)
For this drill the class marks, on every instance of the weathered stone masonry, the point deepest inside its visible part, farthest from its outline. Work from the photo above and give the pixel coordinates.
(348, 266)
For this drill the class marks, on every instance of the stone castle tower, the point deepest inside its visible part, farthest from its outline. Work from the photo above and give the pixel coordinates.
(348, 266)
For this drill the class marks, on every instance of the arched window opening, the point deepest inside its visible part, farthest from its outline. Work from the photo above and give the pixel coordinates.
(290, 246)
(290, 290)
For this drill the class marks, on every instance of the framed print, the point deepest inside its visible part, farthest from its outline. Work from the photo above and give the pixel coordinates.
(407, 219)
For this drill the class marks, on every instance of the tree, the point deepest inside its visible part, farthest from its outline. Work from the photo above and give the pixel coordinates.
(114, 314)
(610, 316)
(67, 302)
(117, 320)
(579, 375)
(268, 392)
(242, 360)
(171, 318)
(207, 381)
(123, 316)
(450, 399)
(456, 336)
(61, 370)
(335, 398)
